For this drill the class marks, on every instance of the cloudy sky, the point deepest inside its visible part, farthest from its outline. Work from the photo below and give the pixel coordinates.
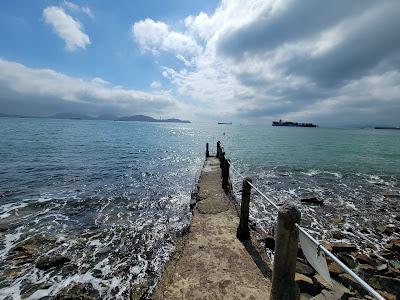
(336, 63)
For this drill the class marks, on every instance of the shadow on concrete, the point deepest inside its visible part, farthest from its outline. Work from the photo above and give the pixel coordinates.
(257, 258)
(251, 246)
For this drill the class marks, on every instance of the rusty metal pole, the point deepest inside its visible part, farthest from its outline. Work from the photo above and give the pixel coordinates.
(243, 232)
(218, 149)
(284, 286)
(207, 152)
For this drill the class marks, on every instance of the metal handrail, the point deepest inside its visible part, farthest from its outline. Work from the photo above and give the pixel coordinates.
(365, 285)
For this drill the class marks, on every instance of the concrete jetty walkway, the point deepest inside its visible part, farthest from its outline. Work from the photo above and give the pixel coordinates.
(210, 262)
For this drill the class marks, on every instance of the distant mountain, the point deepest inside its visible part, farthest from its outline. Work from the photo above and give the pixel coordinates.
(69, 115)
(107, 117)
(174, 121)
(80, 116)
(142, 118)
(13, 116)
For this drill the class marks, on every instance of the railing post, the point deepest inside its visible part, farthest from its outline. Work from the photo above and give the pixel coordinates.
(218, 149)
(222, 159)
(207, 152)
(243, 232)
(286, 242)
(225, 174)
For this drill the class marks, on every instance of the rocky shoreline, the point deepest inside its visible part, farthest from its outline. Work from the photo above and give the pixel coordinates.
(379, 268)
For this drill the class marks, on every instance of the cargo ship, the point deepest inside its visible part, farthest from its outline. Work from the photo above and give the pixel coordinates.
(293, 124)
(395, 128)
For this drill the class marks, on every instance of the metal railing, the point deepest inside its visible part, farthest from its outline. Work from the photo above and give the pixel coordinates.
(318, 245)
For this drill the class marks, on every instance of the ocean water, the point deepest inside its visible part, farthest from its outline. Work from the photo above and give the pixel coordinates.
(114, 196)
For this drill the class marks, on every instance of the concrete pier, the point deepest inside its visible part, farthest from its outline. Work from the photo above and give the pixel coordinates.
(211, 262)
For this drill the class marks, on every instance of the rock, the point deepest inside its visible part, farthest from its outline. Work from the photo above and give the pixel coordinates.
(381, 268)
(104, 250)
(348, 260)
(335, 269)
(311, 200)
(75, 291)
(388, 284)
(39, 241)
(386, 253)
(48, 262)
(387, 295)
(348, 281)
(392, 195)
(338, 235)
(139, 291)
(269, 242)
(97, 273)
(194, 196)
(394, 245)
(341, 247)
(306, 284)
(364, 259)
(69, 268)
(334, 291)
(8, 226)
(387, 229)
(27, 249)
(304, 269)
(366, 270)
(395, 264)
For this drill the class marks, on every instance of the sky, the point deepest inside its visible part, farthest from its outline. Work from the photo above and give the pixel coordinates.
(334, 63)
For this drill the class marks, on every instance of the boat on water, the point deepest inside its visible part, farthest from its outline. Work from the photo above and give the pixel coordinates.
(293, 124)
(395, 128)
(226, 123)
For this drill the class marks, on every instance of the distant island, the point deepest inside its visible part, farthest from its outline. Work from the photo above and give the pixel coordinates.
(79, 116)
(293, 124)
(142, 118)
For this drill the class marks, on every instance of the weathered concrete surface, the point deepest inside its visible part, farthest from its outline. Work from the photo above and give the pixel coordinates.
(210, 262)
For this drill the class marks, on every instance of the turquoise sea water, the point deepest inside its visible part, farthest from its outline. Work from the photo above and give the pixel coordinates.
(113, 196)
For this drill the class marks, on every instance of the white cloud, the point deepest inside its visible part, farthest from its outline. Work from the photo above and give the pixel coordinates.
(86, 10)
(156, 36)
(155, 85)
(76, 8)
(278, 59)
(37, 87)
(66, 27)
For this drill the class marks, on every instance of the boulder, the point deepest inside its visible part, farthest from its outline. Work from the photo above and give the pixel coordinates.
(48, 262)
(341, 247)
(81, 291)
(335, 269)
(306, 284)
(394, 245)
(311, 200)
(139, 291)
(331, 292)
(388, 284)
(349, 282)
(387, 296)
(392, 195)
(348, 260)
(387, 229)
(304, 269)
(365, 259)
(269, 242)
